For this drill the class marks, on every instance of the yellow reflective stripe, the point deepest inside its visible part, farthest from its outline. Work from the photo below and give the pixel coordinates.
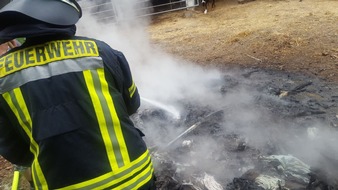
(17, 104)
(45, 53)
(114, 177)
(139, 180)
(116, 120)
(9, 97)
(147, 179)
(38, 176)
(107, 117)
(132, 89)
(101, 118)
(130, 173)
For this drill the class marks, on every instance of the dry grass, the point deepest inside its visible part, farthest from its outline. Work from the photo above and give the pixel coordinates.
(289, 35)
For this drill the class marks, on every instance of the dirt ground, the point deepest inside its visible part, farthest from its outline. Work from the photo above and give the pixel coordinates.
(287, 35)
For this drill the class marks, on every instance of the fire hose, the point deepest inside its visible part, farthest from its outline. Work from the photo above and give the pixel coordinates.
(16, 176)
(16, 180)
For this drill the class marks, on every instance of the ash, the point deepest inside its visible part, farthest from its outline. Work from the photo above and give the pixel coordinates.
(267, 130)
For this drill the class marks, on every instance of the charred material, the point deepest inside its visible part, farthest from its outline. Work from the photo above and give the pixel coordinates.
(252, 143)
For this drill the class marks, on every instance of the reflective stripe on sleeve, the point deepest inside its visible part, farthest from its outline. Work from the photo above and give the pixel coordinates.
(18, 106)
(132, 89)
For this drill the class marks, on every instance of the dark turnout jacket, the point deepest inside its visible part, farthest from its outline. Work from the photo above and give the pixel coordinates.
(64, 111)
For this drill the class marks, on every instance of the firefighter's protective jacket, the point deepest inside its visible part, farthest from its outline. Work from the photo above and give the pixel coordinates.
(64, 111)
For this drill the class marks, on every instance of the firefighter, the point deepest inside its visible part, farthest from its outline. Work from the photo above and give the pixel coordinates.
(65, 103)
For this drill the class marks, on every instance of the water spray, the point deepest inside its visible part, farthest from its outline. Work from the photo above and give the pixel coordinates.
(170, 109)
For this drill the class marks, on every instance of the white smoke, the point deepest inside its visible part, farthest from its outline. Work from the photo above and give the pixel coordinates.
(163, 80)
(159, 76)
(167, 80)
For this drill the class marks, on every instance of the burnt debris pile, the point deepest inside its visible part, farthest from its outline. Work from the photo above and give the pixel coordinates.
(259, 129)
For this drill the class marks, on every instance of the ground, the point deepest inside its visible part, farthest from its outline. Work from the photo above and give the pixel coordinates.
(287, 35)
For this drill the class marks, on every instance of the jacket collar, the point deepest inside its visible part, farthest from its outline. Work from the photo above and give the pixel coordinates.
(35, 31)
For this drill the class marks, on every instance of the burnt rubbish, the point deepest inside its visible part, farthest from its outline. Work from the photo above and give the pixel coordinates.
(273, 130)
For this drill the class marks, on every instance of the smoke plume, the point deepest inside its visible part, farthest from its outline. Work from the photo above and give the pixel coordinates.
(169, 82)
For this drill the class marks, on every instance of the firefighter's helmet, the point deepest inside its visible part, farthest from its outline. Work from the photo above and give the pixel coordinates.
(56, 12)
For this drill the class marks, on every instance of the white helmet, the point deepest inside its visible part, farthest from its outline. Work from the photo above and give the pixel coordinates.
(56, 12)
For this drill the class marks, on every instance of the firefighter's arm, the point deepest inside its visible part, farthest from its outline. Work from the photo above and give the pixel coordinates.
(12, 147)
(130, 91)
(119, 69)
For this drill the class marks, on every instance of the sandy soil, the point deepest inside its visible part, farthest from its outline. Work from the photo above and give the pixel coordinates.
(288, 35)
(6, 171)
(6, 176)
